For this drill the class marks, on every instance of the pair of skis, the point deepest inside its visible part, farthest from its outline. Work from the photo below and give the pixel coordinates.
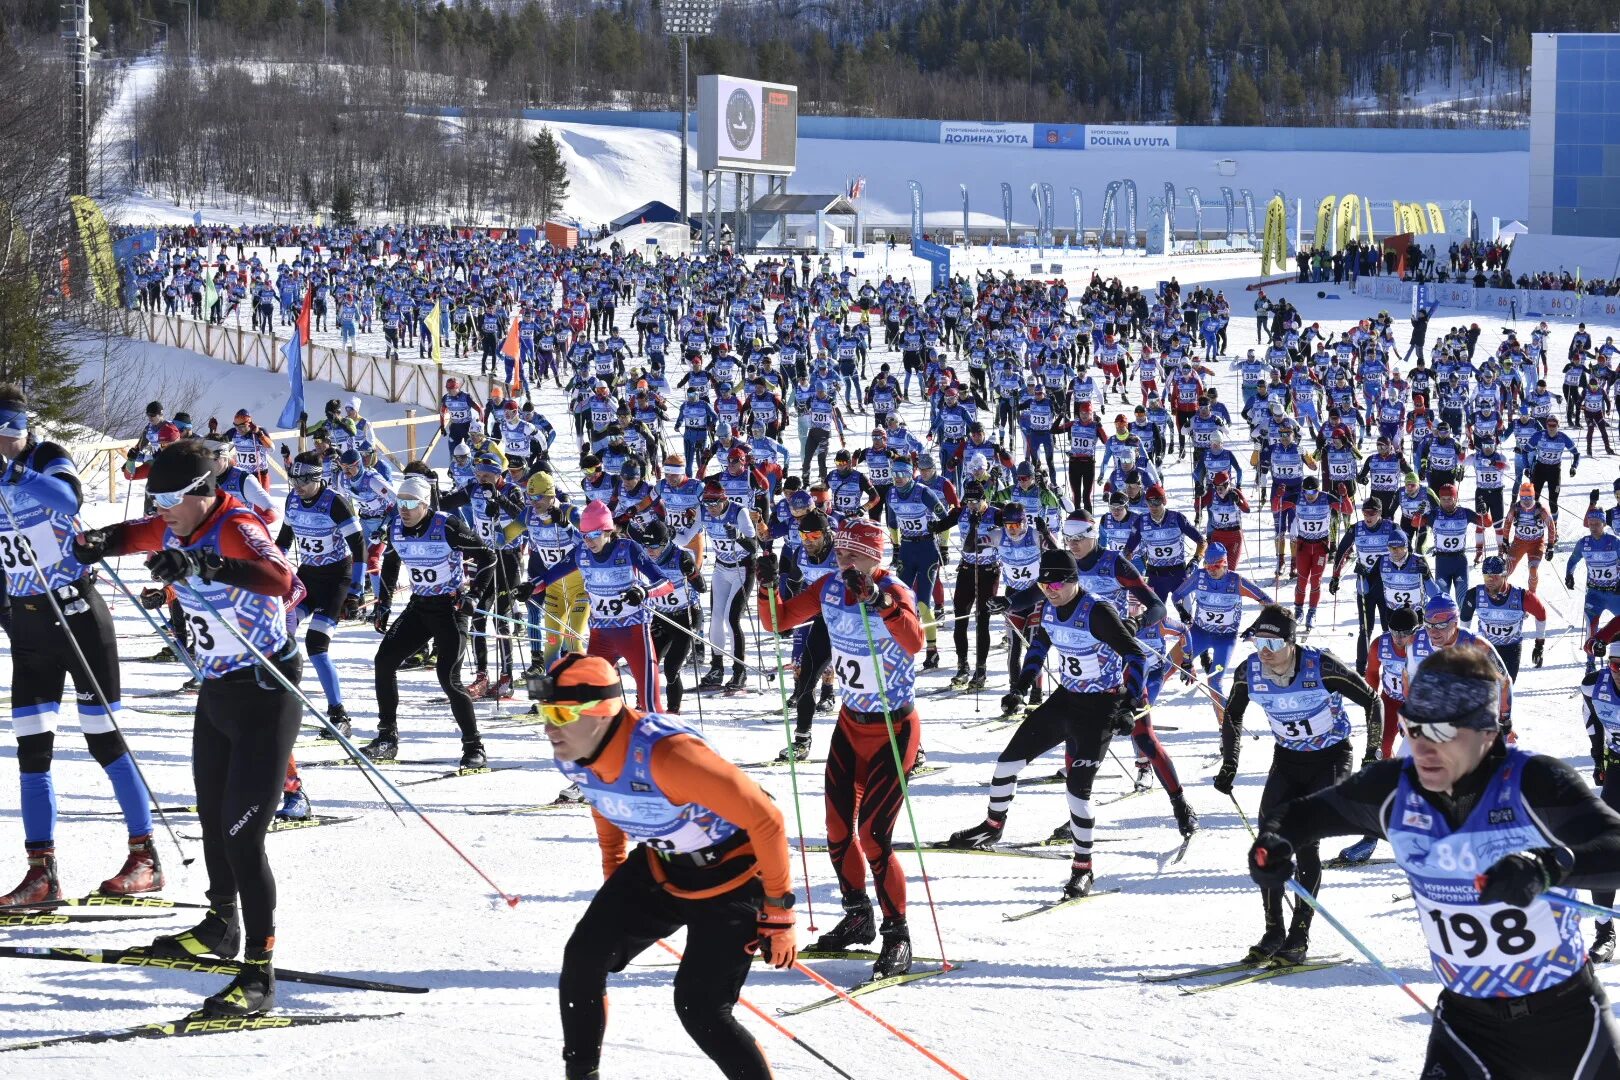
(869, 986)
(197, 1023)
(92, 908)
(1241, 973)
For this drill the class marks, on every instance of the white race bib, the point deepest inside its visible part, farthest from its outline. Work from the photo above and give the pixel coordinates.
(1475, 935)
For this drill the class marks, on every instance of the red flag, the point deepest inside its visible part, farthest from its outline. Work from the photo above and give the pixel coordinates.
(513, 350)
(303, 316)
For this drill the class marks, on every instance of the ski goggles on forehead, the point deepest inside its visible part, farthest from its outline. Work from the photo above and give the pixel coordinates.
(168, 500)
(1079, 530)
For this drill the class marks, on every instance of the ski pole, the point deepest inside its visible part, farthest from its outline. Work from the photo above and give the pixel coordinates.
(900, 772)
(1576, 905)
(757, 1011)
(1305, 894)
(1242, 816)
(197, 672)
(359, 758)
(884, 1024)
(95, 686)
(793, 765)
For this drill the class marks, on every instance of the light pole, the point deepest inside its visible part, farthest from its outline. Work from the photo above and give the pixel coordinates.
(1128, 53)
(1452, 73)
(685, 20)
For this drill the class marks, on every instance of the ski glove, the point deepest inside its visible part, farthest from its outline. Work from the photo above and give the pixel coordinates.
(997, 604)
(90, 546)
(1569, 580)
(466, 606)
(1536, 653)
(1224, 777)
(153, 599)
(522, 591)
(633, 595)
(1011, 703)
(765, 567)
(1271, 861)
(859, 588)
(379, 617)
(777, 942)
(1333, 585)
(176, 564)
(1519, 878)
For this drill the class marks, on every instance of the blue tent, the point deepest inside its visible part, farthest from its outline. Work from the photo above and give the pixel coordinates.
(654, 211)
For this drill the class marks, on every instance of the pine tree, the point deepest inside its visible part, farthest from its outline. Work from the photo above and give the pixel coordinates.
(552, 170)
(343, 205)
(1242, 107)
(35, 330)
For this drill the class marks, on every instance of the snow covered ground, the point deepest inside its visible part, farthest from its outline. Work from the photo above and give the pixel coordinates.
(1055, 995)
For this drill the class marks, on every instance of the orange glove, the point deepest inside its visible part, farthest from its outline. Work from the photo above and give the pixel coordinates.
(777, 939)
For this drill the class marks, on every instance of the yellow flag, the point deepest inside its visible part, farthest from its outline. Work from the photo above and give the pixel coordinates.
(433, 329)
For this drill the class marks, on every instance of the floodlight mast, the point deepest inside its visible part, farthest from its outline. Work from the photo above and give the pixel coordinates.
(685, 20)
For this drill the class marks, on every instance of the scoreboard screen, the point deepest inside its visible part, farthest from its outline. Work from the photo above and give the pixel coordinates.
(747, 126)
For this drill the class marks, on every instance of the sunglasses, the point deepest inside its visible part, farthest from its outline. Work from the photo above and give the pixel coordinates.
(301, 478)
(1428, 732)
(1058, 583)
(596, 534)
(409, 504)
(561, 714)
(1270, 644)
(168, 500)
(813, 536)
(1444, 620)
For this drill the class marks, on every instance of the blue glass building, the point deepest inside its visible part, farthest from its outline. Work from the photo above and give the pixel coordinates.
(1575, 134)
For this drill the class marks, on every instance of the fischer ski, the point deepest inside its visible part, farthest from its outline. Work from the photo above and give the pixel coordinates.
(96, 900)
(195, 1024)
(1041, 909)
(1204, 972)
(455, 773)
(541, 808)
(281, 825)
(1337, 863)
(870, 986)
(59, 918)
(141, 958)
(1269, 971)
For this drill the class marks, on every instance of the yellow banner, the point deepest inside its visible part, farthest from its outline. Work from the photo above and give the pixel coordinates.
(1274, 244)
(1324, 223)
(96, 240)
(1437, 220)
(1349, 217)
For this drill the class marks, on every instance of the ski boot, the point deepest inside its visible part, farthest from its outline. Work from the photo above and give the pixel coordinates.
(894, 957)
(1144, 773)
(1359, 852)
(1602, 950)
(338, 717)
(570, 794)
(533, 671)
(799, 751)
(959, 681)
(713, 677)
(472, 755)
(930, 659)
(164, 655)
(1295, 945)
(385, 747)
(1035, 699)
(294, 806)
(39, 884)
(919, 761)
(1263, 950)
(141, 872)
(1080, 880)
(1310, 620)
(190, 686)
(251, 993)
(1063, 834)
(980, 837)
(503, 688)
(219, 934)
(1186, 816)
(827, 701)
(1299, 613)
(738, 680)
(478, 689)
(978, 680)
(855, 928)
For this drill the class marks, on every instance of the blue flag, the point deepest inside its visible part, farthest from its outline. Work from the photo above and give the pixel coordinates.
(294, 352)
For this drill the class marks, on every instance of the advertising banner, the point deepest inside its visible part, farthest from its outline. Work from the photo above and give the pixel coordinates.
(1130, 138)
(1060, 136)
(959, 133)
